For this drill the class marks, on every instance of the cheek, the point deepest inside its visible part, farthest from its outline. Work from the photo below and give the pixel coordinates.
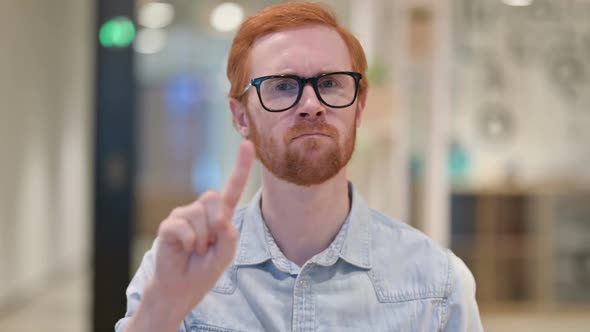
(347, 122)
(266, 128)
(347, 129)
(255, 122)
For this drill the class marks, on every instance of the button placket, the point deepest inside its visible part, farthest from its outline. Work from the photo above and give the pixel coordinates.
(303, 303)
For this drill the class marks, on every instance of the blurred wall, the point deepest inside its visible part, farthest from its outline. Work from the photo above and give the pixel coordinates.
(45, 142)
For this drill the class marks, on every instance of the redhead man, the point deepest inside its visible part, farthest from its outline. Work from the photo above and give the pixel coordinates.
(307, 254)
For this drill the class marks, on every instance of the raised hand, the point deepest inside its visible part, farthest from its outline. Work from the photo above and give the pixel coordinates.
(195, 245)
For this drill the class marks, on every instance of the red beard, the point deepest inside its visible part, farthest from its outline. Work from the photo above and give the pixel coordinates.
(306, 164)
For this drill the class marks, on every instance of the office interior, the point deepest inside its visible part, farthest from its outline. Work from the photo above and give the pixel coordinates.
(477, 132)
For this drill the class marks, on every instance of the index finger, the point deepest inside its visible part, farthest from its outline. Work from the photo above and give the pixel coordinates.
(237, 181)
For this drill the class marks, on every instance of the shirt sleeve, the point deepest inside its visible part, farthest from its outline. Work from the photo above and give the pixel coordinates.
(462, 312)
(136, 286)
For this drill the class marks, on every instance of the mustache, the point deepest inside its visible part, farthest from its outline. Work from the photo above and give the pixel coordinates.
(306, 128)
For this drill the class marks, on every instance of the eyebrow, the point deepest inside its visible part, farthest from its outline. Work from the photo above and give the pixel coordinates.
(316, 73)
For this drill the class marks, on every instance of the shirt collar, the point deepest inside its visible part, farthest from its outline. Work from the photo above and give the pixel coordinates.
(352, 243)
(356, 249)
(252, 246)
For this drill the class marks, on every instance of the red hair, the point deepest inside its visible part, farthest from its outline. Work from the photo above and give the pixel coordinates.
(282, 17)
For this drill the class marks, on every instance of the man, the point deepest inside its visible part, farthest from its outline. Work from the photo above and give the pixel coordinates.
(307, 254)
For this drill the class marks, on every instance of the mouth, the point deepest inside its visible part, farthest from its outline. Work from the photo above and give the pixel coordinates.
(311, 135)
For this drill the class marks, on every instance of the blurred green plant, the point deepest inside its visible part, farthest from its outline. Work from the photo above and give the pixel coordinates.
(377, 73)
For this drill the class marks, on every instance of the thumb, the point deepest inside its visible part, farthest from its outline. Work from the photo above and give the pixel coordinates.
(227, 238)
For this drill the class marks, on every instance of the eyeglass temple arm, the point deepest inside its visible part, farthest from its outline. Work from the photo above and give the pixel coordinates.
(246, 88)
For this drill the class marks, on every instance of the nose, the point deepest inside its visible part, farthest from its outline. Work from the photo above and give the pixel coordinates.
(310, 107)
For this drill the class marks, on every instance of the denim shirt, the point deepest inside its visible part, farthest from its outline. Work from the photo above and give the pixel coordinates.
(377, 275)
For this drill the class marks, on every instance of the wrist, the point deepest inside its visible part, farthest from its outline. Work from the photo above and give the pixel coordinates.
(157, 312)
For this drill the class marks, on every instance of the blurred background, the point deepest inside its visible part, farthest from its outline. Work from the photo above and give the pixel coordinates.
(477, 131)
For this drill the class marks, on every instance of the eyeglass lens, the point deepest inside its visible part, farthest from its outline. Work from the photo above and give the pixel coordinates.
(335, 90)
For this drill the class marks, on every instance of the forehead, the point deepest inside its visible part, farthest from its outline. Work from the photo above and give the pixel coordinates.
(304, 51)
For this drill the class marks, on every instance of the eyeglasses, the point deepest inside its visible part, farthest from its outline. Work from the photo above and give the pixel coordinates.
(278, 93)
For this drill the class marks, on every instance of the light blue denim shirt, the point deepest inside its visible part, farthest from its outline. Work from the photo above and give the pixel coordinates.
(377, 275)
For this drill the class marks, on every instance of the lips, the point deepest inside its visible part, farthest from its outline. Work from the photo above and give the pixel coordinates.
(303, 130)
(311, 135)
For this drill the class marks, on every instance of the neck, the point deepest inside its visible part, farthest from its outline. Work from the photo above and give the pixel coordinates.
(304, 220)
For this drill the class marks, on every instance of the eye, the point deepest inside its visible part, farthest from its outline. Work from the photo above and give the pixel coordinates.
(284, 86)
(328, 83)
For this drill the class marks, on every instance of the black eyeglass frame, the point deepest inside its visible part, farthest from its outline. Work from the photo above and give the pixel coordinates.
(302, 81)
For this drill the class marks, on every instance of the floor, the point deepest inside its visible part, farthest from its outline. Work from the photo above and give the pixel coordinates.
(65, 308)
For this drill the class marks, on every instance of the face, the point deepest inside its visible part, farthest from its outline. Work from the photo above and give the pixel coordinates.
(311, 142)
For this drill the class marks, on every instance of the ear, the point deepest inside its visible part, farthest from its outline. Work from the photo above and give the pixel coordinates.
(362, 102)
(239, 117)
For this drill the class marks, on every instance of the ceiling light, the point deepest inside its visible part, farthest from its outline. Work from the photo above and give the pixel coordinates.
(227, 17)
(155, 15)
(518, 3)
(149, 41)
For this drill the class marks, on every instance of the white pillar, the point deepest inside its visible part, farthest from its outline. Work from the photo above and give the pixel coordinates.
(364, 22)
(435, 198)
(399, 179)
(436, 190)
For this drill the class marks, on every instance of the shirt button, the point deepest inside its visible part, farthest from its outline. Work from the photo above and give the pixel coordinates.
(303, 283)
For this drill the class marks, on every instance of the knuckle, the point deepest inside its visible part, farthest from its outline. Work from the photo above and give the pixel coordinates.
(161, 228)
(209, 196)
(176, 211)
(165, 226)
(215, 195)
(204, 196)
